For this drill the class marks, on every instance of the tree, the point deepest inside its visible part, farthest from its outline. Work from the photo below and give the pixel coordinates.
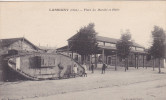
(157, 49)
(124, 46)
(84, 42)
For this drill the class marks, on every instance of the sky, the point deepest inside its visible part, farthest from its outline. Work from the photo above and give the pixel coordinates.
(37, 22)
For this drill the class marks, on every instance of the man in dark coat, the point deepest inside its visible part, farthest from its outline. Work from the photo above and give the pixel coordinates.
(103, 68)
(92, 67)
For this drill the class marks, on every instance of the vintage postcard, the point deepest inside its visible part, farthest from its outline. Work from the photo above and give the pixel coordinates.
(86, 50)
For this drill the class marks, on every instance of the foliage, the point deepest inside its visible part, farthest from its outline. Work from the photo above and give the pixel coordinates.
(84, 42)
(157, 49)
(124, 45)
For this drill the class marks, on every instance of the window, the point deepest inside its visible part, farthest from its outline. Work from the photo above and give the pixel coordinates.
(100, 43)
(110, 44)
(139, 49)
(113, 45)
(132, 48)
(107, 44)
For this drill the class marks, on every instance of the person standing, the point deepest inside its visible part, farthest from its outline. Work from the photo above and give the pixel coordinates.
(103, 68)
(92, 67)
(85, 70)
(60, 66)
(75, 70)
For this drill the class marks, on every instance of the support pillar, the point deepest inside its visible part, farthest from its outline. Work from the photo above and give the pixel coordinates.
(86, 59)
(90, 60)
(106, 57)
(116, 61)
(72, 55)
(159, 65)
(127, 63)
(68, 51)
(103, 56)
(95, 61)
(164, 63)
(143, 62)
(135, 61)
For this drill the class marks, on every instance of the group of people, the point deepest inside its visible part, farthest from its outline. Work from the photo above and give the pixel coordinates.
(104, 66)
(75, 69)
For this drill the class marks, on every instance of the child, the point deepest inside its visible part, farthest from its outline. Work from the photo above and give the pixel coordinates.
(85, 70)
(75, 70)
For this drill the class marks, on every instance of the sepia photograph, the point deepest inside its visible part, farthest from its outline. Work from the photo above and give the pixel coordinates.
(83, 50)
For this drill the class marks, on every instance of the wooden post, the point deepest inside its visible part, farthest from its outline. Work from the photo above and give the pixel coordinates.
(159, 65)
(106, 59)
(135, 61)
(127, 63)
(72, 55)
(90, 60)
(86, 59)
(95, 61)
(153, 64)
(68, 50)
(116, 61)
(103, 55)
(164, 65)
(143, 62)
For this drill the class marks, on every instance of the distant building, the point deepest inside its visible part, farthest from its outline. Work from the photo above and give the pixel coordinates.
(16, 44)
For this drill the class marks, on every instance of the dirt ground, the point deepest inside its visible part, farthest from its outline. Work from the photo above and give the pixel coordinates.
(135, 84)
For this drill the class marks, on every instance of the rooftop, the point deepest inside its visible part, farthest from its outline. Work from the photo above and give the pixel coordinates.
(7, 42)
(106, 39)
(113, 40)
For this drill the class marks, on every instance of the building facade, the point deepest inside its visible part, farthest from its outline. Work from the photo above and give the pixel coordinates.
(16, 44)
(107, 54)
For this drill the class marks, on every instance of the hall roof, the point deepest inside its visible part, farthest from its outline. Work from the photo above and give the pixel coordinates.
(106, 39)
